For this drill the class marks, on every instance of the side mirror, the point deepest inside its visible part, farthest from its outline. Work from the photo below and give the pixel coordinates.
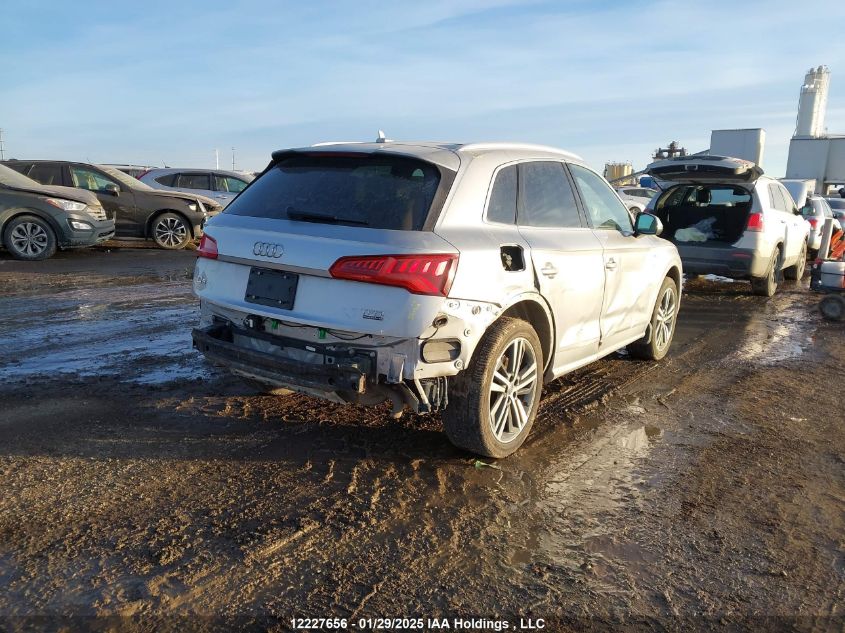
(111, 189)
(648, 224)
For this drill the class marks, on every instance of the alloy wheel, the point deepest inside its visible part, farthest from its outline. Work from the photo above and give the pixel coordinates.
(170, 232)
(512, 390)
(30, 239)
(664, 320)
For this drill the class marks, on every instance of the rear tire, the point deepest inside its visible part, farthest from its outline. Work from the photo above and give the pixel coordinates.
(768, 285)
(493, 403)
(29, 238)
(796, 272)
(171, 231)
(656, 343)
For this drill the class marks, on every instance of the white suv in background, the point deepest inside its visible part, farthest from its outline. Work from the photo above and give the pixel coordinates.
(442, 277)
(728, 219)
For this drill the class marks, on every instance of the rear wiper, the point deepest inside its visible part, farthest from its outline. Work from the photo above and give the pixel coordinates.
(322, 217)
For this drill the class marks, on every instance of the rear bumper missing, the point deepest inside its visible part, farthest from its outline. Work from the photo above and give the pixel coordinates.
(736, 263)
(216, 342)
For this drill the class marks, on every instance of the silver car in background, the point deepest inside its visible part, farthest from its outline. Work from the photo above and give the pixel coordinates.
(218, 184)
(636, 198)
(816, 210)
(439, 277)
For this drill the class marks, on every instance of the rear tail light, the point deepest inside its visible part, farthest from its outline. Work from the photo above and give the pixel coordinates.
(418, 274)
(208, 247)
(141, 174)
(814, 222)
(755, 222)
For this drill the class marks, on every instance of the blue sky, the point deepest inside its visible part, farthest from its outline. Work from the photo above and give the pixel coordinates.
(153, 82)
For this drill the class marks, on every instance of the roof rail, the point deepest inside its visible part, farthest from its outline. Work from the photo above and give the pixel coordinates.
(477, 147)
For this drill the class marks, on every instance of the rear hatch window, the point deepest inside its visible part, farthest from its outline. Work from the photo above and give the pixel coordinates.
(379, 191)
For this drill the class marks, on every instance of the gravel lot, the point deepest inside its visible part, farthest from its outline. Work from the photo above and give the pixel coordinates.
(142, 489)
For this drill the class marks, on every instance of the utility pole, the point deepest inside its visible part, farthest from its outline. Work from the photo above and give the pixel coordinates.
(233, 159)
(2, 149)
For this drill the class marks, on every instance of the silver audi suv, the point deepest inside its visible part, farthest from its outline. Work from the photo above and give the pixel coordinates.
(439, 277)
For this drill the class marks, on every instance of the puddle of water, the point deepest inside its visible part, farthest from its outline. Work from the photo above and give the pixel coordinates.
(588, 480)
(141, 334)
(773, 338)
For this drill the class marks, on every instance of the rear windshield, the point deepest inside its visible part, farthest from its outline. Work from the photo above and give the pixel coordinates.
(376, 191)
(706, 195)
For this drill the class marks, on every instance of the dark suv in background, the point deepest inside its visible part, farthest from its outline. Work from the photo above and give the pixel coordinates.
(172, 219)
(35, 220)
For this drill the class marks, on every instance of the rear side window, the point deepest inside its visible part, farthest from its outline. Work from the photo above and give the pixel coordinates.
(502, 206)
(193, 181)
(776, 198)
(167, 180)
(379, 191)
(46, 174)
(547, 197)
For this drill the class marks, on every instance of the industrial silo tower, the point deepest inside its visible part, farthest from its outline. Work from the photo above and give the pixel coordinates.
(812, 103)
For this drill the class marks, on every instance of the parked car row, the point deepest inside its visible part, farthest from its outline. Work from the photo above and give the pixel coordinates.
(172, 219)
(35, 220)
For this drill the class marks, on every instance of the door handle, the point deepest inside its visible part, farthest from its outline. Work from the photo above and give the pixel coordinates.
(610, 264)
(549, 270)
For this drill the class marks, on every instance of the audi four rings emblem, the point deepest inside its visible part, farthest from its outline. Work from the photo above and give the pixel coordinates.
(265, 249)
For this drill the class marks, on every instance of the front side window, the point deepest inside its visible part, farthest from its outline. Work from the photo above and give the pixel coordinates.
(808, 210)
(194, 181)
(604, 207)
(228, 183)
(502, 205)
(379, 191)
(547, 197)
(85, 178)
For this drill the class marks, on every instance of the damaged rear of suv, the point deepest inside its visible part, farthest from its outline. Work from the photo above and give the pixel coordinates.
(454, 278)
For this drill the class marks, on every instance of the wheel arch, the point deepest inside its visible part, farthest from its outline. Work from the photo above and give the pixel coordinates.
(148, 231)
(675, 274)
(534, 310)
(10, 214)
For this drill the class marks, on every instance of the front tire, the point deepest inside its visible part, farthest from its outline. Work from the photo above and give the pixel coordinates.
(493, 403)
(768, 285)
(796, 272)
(29, 238)
(171, 231)
(655, 345)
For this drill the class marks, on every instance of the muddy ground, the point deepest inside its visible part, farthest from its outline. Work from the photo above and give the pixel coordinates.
(142, 489)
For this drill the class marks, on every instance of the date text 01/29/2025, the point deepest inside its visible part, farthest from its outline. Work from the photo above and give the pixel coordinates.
(415, 624)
